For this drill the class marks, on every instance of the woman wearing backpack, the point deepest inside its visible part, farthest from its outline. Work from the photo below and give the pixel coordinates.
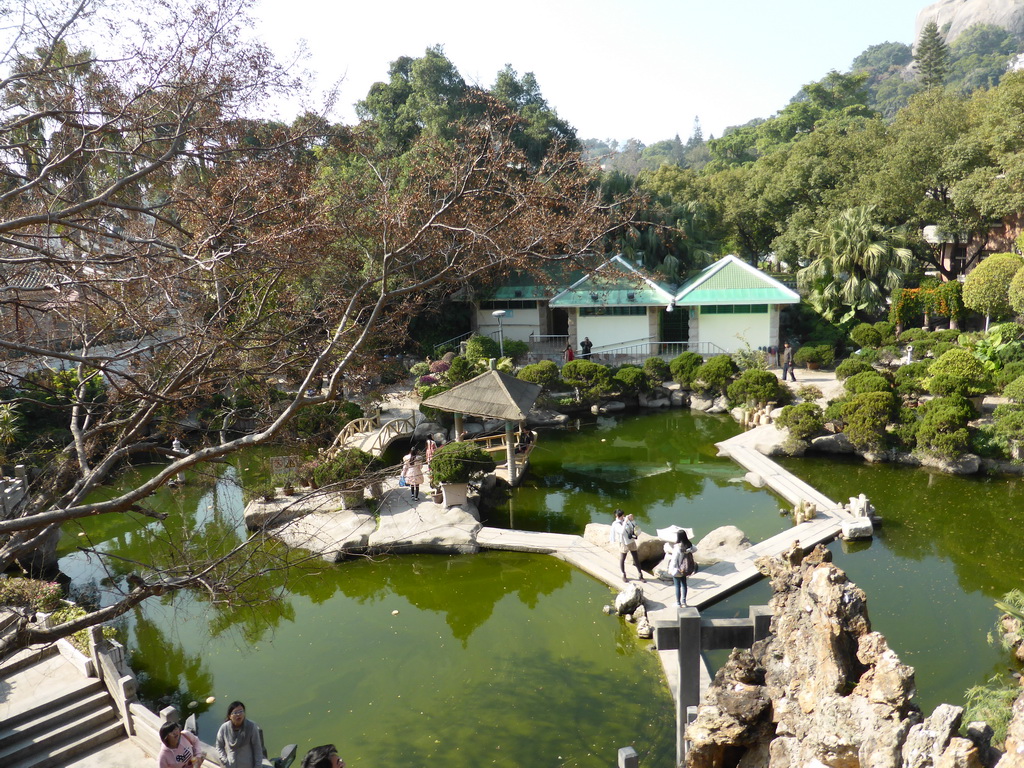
(682, 556)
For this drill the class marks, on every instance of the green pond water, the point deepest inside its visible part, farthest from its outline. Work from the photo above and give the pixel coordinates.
(505, 658)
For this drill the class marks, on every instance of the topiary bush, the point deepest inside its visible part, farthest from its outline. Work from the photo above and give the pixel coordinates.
(684, 366)
(987, 286)
(346, 468)
(591, 380)
(1014, 391)
(943, 429)
(754, 387)
(866, 335)
(713, 377)
(958, 372)
(481, 347)
(419, 369)
(912, 335)
(909, 379)
(887, 331)
(852, 366)
(824, 355)
(868, 381)
(459, 462)
(631, 380)
(658, 370)
(1010, 372)
(544, 373)
(461, 369)
(516, 349)
(866, 416)
(803, 420)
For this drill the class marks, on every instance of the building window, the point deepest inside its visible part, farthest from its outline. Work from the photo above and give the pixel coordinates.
(734, 309)
(509, 304)
(612, 311)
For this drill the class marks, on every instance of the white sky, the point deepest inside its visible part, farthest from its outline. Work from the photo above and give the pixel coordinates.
(612, 68)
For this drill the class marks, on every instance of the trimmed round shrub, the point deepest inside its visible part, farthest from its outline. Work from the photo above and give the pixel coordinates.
(868, 381)
(866, 416)
(684, 366)
(866, 335)
(887, 331)
(461, 369)
(987, 286)
(632, 380)
(516, 349)
(482, 347)
(544, 373)
(714, 376)
(346, 468)
(657, 369)
(459, 462)
(906, 426)
(958, 372)
(754, 387)
(909, 379)
(942, 347)
(803, 420)
(1009, 373)
(851, 366)
(823, 354)
(911, 335)
(1014, 391)
(946, 335)
(1009, 421)
(943, 428)
(592, 380)
(419, 369)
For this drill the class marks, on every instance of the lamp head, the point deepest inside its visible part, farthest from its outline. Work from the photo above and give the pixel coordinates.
(498, 313)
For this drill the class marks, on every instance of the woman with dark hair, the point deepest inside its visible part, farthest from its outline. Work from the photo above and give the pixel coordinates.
(180, 748)
(677, 565)
(239, 742)
(412, 471)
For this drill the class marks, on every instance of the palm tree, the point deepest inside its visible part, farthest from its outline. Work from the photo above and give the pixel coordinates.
(857, 264)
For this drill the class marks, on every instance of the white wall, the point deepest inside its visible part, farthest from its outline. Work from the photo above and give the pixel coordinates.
(730, 331)
(516, 324)
(612, 331)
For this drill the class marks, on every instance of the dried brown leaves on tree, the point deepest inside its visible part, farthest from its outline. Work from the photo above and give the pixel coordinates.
(157, 238)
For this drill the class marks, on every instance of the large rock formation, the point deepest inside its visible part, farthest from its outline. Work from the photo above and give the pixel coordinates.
(960, 15)
(822, 689)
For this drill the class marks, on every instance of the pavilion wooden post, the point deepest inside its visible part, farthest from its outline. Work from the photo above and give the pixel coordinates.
(458, 427)
(510, 451)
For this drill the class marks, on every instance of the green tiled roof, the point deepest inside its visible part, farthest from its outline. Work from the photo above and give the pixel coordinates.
(612, 286)
(731, 281)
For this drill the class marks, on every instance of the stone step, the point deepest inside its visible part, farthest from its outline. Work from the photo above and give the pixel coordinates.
(74, 690)
(43, 717)
(78, 723)
(59, 754)
(26, 657)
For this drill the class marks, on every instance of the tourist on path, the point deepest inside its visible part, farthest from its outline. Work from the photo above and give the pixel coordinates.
(180, 748)
(631, 531)
(238, 741)
(787, 362)
(676, 564)
(585, 346)
(323, 757)
(568, 355)
(412, 471)
(618, 536)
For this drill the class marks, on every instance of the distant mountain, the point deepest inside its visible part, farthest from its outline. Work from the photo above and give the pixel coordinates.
(954, 17)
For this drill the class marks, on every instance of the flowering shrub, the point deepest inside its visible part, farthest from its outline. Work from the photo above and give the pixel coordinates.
(440, 366)
(31, 593)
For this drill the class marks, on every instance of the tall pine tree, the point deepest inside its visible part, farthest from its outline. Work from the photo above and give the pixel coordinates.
(932, 56)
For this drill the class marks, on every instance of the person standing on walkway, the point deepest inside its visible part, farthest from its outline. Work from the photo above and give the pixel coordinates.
(677, 565)
(631, 532)
(568, 355)
(585, 346)
(239, 743)
(412, 471)
(787, 362)
(180, 748)
(619, 538)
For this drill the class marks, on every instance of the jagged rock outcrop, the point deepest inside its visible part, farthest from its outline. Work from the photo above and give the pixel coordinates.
(961, 15)
(823, 689)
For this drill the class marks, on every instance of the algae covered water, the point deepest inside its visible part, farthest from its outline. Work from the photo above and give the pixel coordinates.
(505, 658)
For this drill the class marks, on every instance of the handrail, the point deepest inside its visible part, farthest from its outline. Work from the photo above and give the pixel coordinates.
(453, 340)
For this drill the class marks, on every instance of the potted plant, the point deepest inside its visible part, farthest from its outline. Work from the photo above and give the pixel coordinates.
(346, 470)
(454, 465)
(814, 357)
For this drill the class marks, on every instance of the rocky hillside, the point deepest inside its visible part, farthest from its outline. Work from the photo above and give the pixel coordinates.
(825, 690)
(963, 14)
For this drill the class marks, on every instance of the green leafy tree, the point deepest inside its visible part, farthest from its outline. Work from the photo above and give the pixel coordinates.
(932, 56)
(803, 420)
(987, 286)
(857, 263)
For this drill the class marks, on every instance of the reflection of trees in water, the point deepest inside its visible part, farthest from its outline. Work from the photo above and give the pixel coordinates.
(170, 675)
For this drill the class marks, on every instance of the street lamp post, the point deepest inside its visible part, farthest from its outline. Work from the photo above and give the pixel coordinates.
(500, 313)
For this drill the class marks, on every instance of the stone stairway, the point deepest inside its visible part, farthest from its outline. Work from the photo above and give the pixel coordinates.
(49, 713)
